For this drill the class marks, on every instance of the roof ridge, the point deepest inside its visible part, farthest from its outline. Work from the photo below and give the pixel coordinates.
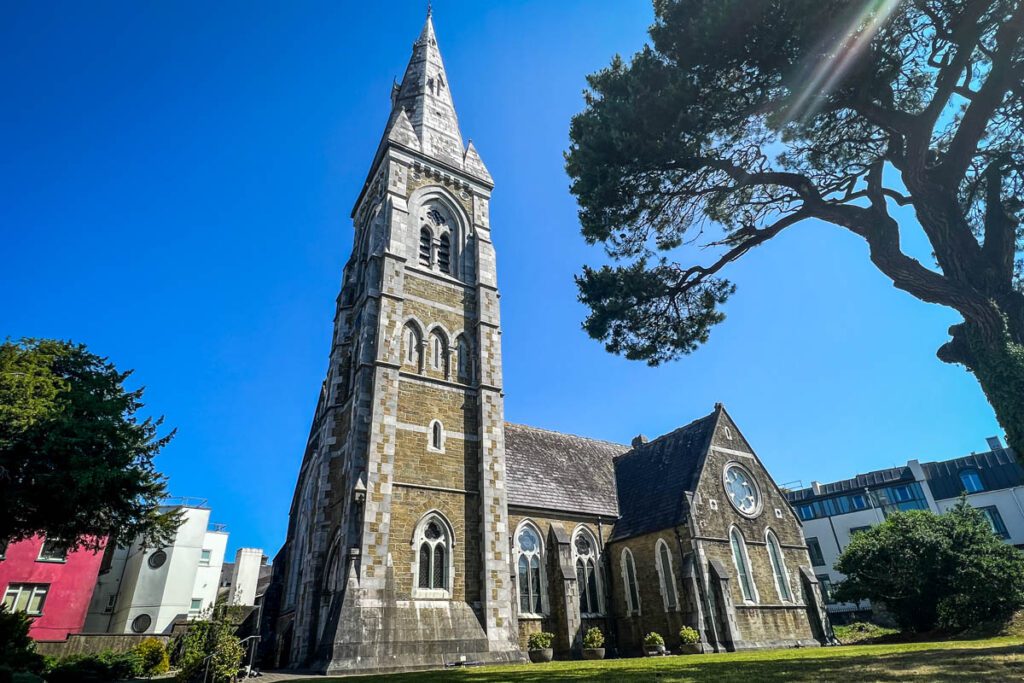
(576, 436)
(666, 435)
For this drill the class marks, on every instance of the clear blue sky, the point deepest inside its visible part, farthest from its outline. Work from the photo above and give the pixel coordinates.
(175, 186)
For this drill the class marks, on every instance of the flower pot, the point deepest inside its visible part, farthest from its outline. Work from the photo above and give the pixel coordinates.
(538, 656)
(654, 650)
(593, 653)
(690, 649)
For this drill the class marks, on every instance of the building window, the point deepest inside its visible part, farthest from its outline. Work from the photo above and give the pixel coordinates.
(436, 436)
(629, 580)
(53, 550)
(778, 567)
(26, 597)
(742, 490)
(157, 559)
(588, 573)
(204, 557)
(826, 588)
(439, 352)
(141, 623)
(814, 550)
(444, 254)
(901, 498)
(971, 480)
(667, 578)
(995, 521)
(463, 360)
(196, 606)
(530, 563)
(426, 246)
(739, 558)
(413, 346)
(433, 545)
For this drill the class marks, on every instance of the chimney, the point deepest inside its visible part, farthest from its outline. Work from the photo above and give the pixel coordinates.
(638, 441)
(994, 444)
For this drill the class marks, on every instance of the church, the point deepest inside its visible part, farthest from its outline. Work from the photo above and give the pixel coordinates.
(425, 531)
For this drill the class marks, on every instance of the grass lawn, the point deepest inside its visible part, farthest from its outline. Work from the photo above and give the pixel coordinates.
(991, 659)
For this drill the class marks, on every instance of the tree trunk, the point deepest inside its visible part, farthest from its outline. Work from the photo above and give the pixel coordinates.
(998, 365)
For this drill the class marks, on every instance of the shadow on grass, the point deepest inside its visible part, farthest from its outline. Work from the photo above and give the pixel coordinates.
(997, 663)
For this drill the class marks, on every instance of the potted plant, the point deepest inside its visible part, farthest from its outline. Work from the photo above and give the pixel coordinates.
(539, 646)
(654, 644)
(690, 641)
(593, 644)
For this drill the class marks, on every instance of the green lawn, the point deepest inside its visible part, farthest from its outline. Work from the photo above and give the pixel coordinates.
(992, 659)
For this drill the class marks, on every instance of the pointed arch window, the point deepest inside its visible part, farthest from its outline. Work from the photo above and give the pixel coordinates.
(629, 581)
(588, 572)
(444, 254)
(463, 359)
(439, 352)
(668, 580)
(433, 564)
(413, 345)
(436, 436)
(426, 245)
(739, 558)
(530, 571)
(778, 567)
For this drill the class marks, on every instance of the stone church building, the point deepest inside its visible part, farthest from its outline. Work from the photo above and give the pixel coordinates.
(426, 531)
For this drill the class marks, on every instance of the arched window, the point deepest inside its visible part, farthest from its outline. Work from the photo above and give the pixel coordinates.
(436, 436)
(668, 579)
(444, 254)
(971, 481)
(629, 580)
(588, 572)
(778, 567)
(426, 245)
(463, 359)
(433, 564)
(530, 569)
(439, 352)
(411, 340)
(739, 558)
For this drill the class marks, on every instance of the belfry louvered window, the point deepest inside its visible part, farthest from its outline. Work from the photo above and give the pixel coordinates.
(426, 246)
(444, 254)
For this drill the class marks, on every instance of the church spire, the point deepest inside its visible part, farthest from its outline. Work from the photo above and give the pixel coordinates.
(426, 99)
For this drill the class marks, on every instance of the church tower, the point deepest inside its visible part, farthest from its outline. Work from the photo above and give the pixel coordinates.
(398, 551)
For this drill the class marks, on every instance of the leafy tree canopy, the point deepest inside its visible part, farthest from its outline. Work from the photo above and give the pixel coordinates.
(75, 461)
(949, 571)
(755, 115)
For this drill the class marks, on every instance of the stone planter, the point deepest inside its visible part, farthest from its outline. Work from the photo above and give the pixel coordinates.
(593, 653)
(654, 650)
(690, 649)
(538, 656)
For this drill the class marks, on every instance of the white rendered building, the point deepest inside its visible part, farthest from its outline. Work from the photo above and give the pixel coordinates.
(832, 513)
(146, 590)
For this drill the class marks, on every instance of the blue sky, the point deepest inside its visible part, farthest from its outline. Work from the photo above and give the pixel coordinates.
(175, 186)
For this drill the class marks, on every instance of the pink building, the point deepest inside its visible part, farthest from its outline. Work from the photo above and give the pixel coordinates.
(54, 586)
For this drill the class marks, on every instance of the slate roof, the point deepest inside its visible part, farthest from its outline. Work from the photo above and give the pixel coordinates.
(653, 479)
(997, 469)
(563, 472)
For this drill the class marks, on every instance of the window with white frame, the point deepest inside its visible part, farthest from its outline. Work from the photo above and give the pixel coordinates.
(666, 577)
(629, 582)
(204, 557)
(196, 606)
(412, 343)
(26, 597)
(778, 563)
(530, 570)
(742, 563)
(53, 550)
(971, 481)
(439, 352)
(588, 572)
(433, 559)
(435, 436)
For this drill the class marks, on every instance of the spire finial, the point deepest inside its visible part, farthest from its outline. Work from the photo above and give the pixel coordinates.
(430, 8)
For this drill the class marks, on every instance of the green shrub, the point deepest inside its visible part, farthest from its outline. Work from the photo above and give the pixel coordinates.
(541, 640)
(96, 668)
(153, 654)
(689, 636)
(594, 638)
(17, 650)
(215, 640)
(653, 639)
